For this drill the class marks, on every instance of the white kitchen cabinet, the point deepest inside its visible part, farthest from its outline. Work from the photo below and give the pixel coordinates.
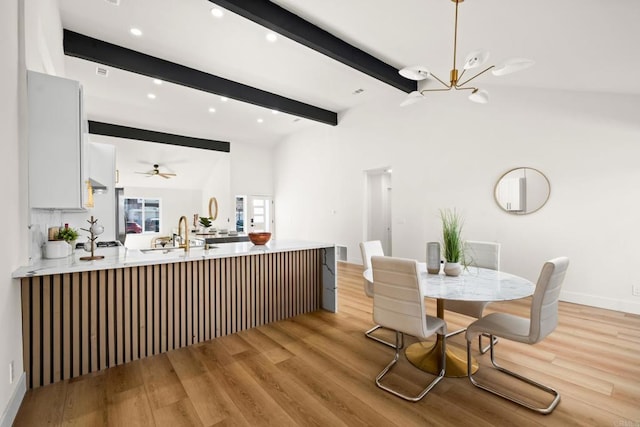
(56, 135)
(102, 164)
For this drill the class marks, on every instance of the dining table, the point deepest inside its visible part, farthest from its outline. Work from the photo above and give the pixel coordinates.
(473, 284)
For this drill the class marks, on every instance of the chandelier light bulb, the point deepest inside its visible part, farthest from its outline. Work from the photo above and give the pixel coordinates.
(412, 98)
(417, 72)
(511, 66)
(479, 96)
(476, 59)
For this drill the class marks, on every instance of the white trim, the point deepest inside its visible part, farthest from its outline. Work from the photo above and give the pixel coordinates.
(601, 302)
(10, 412)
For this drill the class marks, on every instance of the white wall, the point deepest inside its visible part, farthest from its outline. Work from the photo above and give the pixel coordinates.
(447, 152)
(14, 207)
(251, 170)
(43, 37)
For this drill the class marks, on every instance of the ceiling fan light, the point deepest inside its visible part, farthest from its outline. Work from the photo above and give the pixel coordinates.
(412, 98)
(416, 72)
(511, 66)
(475, 59)
(479, 96)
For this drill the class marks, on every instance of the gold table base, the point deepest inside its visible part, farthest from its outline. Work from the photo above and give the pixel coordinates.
(426, 356)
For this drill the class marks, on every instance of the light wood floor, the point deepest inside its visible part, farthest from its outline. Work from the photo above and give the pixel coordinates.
(319, 369)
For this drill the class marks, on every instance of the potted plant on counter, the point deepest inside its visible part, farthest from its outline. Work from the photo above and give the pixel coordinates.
(452, 243)
(69, 235)
(205, 222)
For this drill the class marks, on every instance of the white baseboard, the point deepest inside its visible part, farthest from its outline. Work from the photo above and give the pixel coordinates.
(10, 412)
(601, 302)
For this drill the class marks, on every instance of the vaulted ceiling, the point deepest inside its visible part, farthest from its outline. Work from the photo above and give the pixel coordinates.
(577, 45)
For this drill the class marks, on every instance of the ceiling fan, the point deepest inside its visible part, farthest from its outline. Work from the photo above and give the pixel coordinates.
(156, 172)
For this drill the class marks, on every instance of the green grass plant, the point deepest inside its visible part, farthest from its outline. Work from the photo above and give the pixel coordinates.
(452, 243)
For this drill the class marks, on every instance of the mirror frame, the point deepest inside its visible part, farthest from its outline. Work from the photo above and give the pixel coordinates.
(495, 191)
(213, 208)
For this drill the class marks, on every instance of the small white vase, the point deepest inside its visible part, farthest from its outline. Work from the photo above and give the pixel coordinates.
(452, 268)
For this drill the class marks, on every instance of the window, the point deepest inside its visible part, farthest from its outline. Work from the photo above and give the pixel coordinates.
(141, 215)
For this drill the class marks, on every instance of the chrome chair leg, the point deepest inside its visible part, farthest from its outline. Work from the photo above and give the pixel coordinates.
(483, 350)
(551, 391)
(459, 331)
(387, 369)
(380, 340)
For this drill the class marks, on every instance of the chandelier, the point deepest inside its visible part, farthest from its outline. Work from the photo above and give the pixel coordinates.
(473, 61)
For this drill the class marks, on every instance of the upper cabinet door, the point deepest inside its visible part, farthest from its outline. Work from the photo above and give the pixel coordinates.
(56, 139)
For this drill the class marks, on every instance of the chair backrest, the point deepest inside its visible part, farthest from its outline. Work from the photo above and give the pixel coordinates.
(482, 254)
(368, 250)
(398, 300)
(544, 307)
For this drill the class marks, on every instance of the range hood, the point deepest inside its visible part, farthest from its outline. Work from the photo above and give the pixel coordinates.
(96, 187)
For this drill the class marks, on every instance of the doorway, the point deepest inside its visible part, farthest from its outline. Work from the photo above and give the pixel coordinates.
(254, 213)
(378, 207)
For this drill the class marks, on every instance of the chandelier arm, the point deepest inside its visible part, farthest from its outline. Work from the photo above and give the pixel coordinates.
(479, 74)
(435, 90)
(465, 88)
(443, 83)
(455, 37)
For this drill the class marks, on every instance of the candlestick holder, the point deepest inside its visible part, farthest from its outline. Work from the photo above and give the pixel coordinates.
(94, 230)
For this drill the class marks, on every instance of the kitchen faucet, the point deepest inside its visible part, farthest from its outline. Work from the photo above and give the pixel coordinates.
(185, 242)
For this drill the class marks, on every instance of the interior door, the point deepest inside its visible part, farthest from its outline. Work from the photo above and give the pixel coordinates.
(378, 208)
(260, 213)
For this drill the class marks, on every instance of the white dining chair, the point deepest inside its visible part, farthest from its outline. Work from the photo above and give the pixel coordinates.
(542, 320)
(483, 255)
(398, 304)
(368, 250)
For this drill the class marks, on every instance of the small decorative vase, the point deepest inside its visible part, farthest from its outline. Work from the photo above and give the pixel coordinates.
(433, 257)
(452, 268)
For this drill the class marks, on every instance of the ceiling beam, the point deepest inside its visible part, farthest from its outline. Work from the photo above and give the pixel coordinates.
(290, 25)
(118, 131)
(84, 47)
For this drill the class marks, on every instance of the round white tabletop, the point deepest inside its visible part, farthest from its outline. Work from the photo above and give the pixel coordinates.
(474, 284)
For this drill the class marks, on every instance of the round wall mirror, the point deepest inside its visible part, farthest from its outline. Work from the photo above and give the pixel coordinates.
(522, 191)
(213, 208)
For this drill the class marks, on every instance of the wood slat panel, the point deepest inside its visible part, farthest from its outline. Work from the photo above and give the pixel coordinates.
(77, 323)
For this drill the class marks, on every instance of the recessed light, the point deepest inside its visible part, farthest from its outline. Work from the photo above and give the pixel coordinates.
(136, 32)
(218, 13)
(151, 96)
(274, 111)
(224, 99)
(212, 110)
(260, 120)
(157, 81)
(271, 37)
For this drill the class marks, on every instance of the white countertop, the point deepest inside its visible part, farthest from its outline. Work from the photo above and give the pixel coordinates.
(119, 257)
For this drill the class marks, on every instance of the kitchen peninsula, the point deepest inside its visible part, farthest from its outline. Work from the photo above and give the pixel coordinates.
(83, 316)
